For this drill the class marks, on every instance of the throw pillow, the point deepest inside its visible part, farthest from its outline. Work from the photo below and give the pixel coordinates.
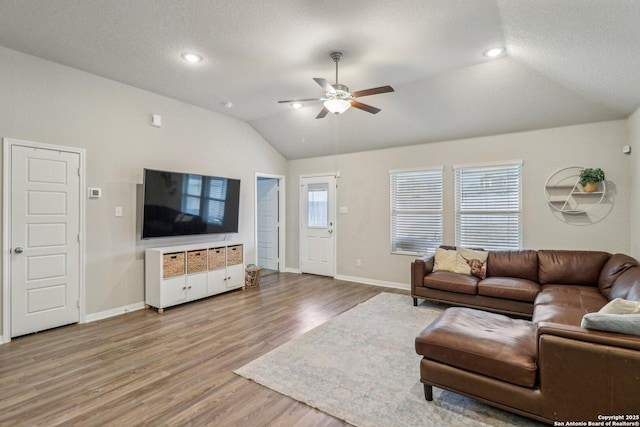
(444, 260)
(471, 262)
(619, 315)
(621, 306)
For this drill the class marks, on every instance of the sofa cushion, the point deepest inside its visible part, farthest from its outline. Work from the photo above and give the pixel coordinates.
(509, 288)
(570, 267)
(444, 260)
(453, 282)
(520, 264)
(612, 269)
(627, 286)
(566, 304)
(486, 343)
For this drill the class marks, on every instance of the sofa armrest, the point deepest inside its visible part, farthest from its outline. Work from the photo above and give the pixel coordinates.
(419, 269)
(589, 335)
(585, 373)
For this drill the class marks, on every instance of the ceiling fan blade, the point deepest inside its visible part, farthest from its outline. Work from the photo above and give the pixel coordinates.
(300, 100)
(364, 107)
(322, 113)
(325, 85)
(372, 91)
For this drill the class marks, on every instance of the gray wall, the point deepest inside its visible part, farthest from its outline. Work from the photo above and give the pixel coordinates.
(49, 103)
(363, 187)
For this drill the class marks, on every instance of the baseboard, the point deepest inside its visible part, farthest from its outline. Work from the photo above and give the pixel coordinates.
(114, 312)
(292, 270)
(374, 282)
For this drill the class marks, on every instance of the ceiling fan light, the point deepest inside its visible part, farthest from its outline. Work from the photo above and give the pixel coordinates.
(337, 106)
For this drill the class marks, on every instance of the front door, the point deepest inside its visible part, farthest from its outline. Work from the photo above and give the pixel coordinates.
(45, 234)
(317, 221)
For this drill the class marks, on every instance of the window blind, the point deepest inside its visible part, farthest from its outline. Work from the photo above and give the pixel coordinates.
(488, 204)
(416, 211)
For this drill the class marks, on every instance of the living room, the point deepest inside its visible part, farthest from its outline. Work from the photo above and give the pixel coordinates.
(62, 105)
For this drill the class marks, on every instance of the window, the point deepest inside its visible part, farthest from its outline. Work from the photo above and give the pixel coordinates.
(216, 199)
(489, 206)
(210, 196)
(193, 191)
(416, 211)
(317, 206)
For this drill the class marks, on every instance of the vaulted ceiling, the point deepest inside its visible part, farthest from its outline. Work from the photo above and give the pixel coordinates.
(567, 61)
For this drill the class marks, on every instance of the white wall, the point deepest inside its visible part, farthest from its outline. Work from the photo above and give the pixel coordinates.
(363, 188)
(49, 103)
(634, 141)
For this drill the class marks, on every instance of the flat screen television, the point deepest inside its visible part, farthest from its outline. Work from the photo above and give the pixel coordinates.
(183, 204)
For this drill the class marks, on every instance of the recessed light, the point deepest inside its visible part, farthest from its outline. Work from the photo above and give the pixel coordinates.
(296, 105)
(191, 57)
(495, 52)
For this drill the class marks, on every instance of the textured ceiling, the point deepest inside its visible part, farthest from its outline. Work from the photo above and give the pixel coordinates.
(567, 62)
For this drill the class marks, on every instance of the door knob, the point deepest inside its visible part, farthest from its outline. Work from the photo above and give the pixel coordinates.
(18, 250)
(330, 231)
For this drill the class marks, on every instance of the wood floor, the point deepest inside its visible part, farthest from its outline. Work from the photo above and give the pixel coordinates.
(175, 368)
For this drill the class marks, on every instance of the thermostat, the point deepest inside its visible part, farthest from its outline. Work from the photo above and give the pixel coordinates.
(95, 193)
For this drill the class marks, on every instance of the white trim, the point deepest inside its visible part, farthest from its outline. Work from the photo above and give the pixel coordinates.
(313, 175)
(293, 270)
(114, 312)
(374, 282)
(431, 168)
(489, 164)
(6, 240)
(282, 208)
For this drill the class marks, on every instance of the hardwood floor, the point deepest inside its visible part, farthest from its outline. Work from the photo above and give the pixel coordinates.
(173, 368)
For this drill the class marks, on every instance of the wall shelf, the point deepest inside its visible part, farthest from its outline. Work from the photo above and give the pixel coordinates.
(564, 193)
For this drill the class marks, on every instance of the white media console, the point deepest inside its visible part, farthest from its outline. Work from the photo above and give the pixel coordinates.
(178, 274)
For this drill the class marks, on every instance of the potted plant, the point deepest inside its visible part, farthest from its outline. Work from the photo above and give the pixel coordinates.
(590, 178)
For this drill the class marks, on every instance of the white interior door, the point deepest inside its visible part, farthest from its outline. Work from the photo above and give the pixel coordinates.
(44, 241)
(268, 233)
(317, 225)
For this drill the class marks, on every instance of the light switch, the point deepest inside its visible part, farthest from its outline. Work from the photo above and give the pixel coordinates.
(344, 210)
(118, 211)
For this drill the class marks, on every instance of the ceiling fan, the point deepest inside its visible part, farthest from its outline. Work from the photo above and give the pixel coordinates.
(337, 98)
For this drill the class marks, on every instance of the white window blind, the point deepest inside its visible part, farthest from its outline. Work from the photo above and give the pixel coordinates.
(416, 211)
(489, 206)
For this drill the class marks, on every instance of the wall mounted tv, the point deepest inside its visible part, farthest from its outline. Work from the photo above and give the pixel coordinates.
(182, 204)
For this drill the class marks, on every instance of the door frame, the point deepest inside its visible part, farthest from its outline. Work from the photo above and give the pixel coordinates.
(301, 218)
(281, 217)
(8, 143)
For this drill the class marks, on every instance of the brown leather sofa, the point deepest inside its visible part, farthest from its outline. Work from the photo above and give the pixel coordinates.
(547, 368)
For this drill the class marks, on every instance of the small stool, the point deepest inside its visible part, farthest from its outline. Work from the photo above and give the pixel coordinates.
(477, 341)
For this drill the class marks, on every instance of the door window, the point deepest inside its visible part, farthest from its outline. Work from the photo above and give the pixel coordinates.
(317, 206)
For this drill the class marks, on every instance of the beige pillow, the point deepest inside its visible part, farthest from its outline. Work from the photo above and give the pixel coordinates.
(621, 306)
(444, 260)
(471, 262)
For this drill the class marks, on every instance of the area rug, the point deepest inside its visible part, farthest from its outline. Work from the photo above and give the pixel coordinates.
(361, 367)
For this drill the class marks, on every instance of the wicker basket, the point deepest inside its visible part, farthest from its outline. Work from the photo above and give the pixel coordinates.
(216, 258)
(173, 264)
(197, 261)
(234, 255)
(252, 275)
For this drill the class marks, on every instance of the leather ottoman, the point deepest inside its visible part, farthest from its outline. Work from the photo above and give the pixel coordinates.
(488, 344)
